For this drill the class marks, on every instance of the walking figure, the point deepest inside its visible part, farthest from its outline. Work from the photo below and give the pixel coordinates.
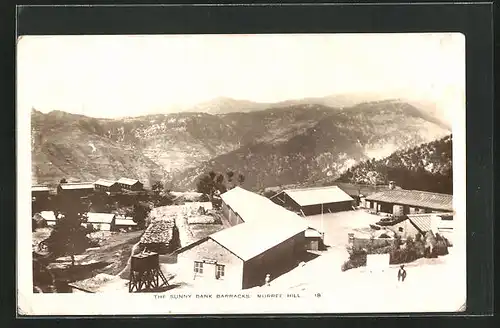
(401, 273)
(268, 278)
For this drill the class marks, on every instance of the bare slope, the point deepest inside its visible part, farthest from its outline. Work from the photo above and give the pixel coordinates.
(279, 145)
(324, 149)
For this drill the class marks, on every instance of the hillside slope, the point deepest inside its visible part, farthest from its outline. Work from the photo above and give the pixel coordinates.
(153, 147)
(279, 145)
(426, 167)
(325, 149)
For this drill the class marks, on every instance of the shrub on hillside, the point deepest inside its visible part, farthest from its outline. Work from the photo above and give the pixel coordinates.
(357, 258)
(441, 246)
(400, 252)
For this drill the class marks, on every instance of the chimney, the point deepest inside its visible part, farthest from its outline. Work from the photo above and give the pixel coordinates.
(392, 185)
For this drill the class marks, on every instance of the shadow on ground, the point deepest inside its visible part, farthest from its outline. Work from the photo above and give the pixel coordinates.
(69, 273)
(162, 289)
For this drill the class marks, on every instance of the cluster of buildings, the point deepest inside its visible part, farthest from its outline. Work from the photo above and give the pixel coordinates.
(82, 189)
(99, 221)
(269, 235)
(263, 238)
(74, 191)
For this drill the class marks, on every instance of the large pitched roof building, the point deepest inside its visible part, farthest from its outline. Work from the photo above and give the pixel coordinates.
(106, 185)
(264, 238)
(130, 184)
(240, 257)
(400, 202)
(313, 201)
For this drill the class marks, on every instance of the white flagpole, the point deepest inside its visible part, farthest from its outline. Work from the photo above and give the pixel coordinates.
(321, 217)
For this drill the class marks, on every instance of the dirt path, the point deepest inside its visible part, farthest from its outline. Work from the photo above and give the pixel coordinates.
(186, 237)
(124, 274)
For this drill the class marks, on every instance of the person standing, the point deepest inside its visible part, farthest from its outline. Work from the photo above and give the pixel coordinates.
(401, 273)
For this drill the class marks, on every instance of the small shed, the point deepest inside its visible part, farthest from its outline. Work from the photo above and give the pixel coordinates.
(314, 240)
(125, 223)
(49, 217)
(130, 184)
(101, 221)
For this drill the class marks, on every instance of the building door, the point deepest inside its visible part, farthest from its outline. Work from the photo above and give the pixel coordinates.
(314, 245)
(209, 269)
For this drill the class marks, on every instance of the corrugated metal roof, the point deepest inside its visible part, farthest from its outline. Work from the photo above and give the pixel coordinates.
(319, 195)
(248, 240)
(73, 186)
(422, 222)
(415, 198)
(104, 182)
(100, 217)
(128, 181)
(361, 189)
(40, 188)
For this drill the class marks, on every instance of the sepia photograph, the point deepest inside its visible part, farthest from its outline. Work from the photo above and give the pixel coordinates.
(241, 174)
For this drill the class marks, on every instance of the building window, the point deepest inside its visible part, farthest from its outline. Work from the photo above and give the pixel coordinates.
(400, 229)
(219, 271)
(198, 267)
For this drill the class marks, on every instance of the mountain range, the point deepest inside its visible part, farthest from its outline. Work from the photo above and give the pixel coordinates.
(281, 144)
(225, 105)
(427, 167)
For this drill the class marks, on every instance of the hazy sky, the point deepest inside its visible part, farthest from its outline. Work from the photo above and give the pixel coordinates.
(110, 76)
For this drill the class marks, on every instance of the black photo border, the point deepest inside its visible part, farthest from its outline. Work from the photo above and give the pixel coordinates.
(474, 20)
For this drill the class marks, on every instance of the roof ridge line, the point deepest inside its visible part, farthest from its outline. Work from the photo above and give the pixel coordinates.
(312, 188)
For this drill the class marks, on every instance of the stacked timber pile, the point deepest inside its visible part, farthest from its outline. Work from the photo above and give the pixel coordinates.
(161, 235)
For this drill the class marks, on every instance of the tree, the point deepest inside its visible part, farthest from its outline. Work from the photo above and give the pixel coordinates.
(241, 178)
(157, 187)
(205, 185)
(140, 213)
(220, 179)
(68, 237)
(98, 202)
